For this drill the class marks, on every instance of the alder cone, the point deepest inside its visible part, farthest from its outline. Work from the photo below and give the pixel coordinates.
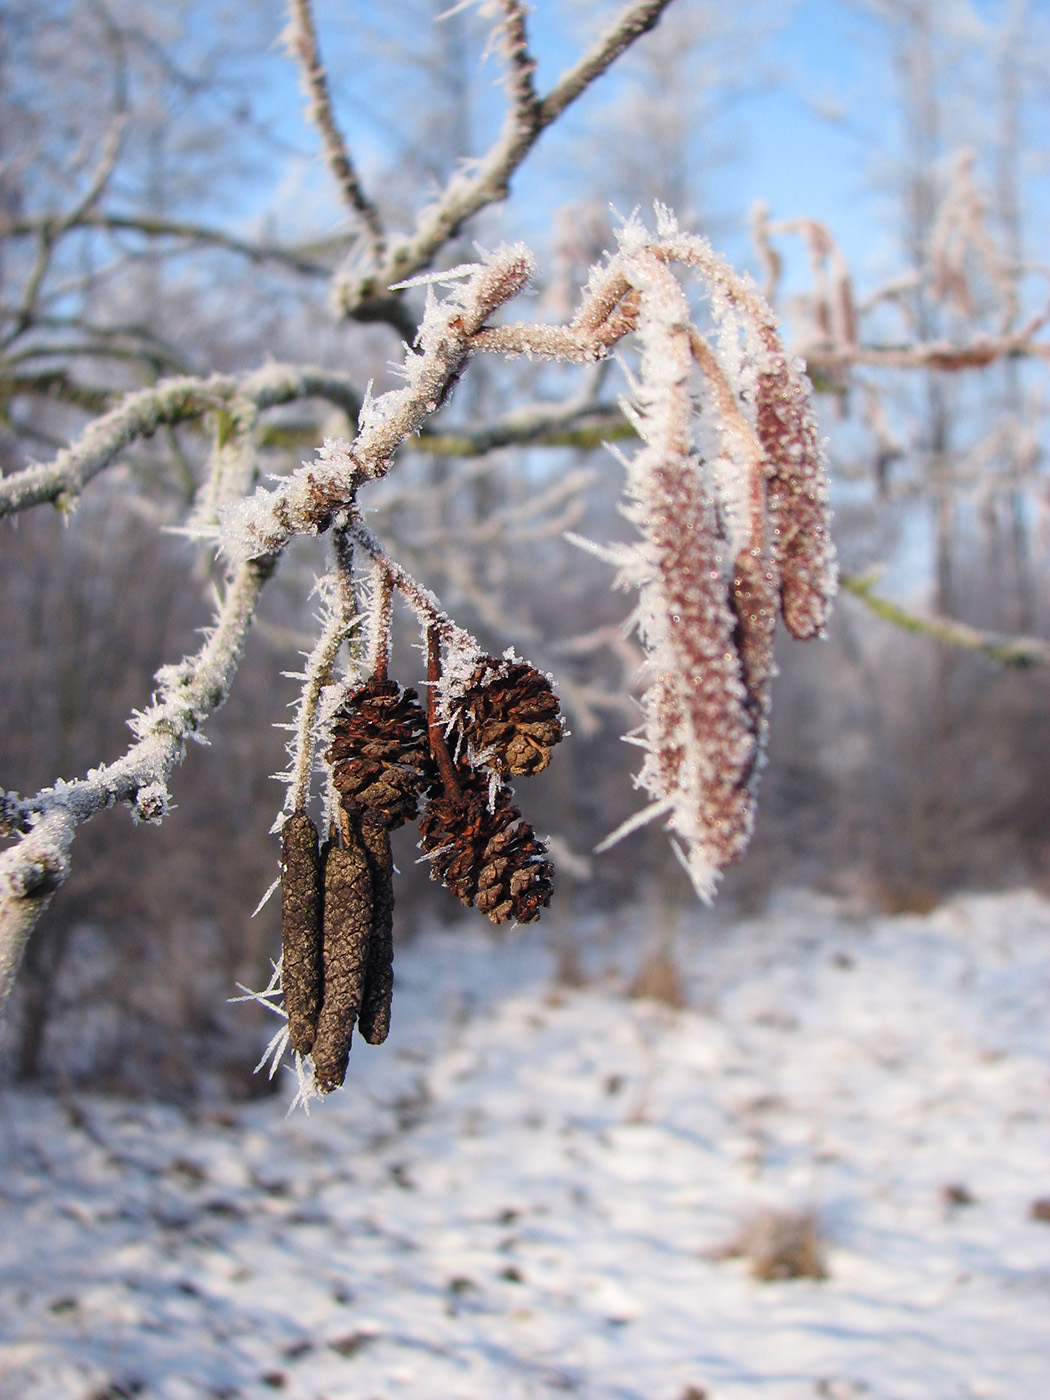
(379, 752)
(488, 858)
(510, 717)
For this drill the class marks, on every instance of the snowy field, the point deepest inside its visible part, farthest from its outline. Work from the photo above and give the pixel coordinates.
(538, 1189)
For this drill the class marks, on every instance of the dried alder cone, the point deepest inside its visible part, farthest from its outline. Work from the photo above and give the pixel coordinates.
(379, 753)
(338, 903)
(484, 854)
(509, 716)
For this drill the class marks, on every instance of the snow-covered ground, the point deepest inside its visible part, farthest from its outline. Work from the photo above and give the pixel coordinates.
(539, 1189)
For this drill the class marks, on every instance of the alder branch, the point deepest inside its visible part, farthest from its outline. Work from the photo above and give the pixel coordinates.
(150, 227)
(542, 425)
(937, 355)
(466, 194)
(1023, 653)
(521, 65)
(302, 39)
(31, 871)
(256, 532)
(140, 414)
(706, 629)
(52, 230)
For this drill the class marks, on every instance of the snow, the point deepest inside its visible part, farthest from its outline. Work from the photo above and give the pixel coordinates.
(535, 1188)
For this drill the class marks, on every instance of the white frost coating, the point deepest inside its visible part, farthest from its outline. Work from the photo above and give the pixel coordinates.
(699, 745)
(462, 658)
(320, 695)
(152, 803)
(438, 279)
(304, 502)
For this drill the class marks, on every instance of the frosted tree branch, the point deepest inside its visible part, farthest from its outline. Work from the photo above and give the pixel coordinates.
(466, 194)
(302, 39)
(181, 230)
(1018, 652)
(32, 870)
(140, 414)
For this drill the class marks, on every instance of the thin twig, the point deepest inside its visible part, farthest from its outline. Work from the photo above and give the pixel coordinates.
(140, 414)
(465, 195)
(521, 66)
(151, 227)
(188, 694)
(1020, 652)
(303, 41)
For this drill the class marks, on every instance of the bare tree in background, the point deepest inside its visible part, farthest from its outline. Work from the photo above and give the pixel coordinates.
(937, 372)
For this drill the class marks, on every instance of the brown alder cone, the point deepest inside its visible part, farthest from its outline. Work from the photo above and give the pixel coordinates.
(379, 752)
(509, 716)
(487, 858)
(374, 1019)
(347, 929)
(301, 929)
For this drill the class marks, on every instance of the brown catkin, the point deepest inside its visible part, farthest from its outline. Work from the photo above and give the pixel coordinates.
(374, 1019)
(753, 603)
(347, 928)
(797, 492)
(301, 929)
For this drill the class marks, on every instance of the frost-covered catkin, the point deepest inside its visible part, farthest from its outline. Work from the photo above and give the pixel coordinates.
(700, 740)
(702, 748)
(301, 930)
(753, 599)
(347, 929)
(797, 492)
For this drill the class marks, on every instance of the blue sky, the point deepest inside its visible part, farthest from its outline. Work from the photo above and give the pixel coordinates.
(783, 146)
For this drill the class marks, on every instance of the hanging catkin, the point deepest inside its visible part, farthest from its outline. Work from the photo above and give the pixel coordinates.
(301, 930)
(347, 928)
(374, 1018)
